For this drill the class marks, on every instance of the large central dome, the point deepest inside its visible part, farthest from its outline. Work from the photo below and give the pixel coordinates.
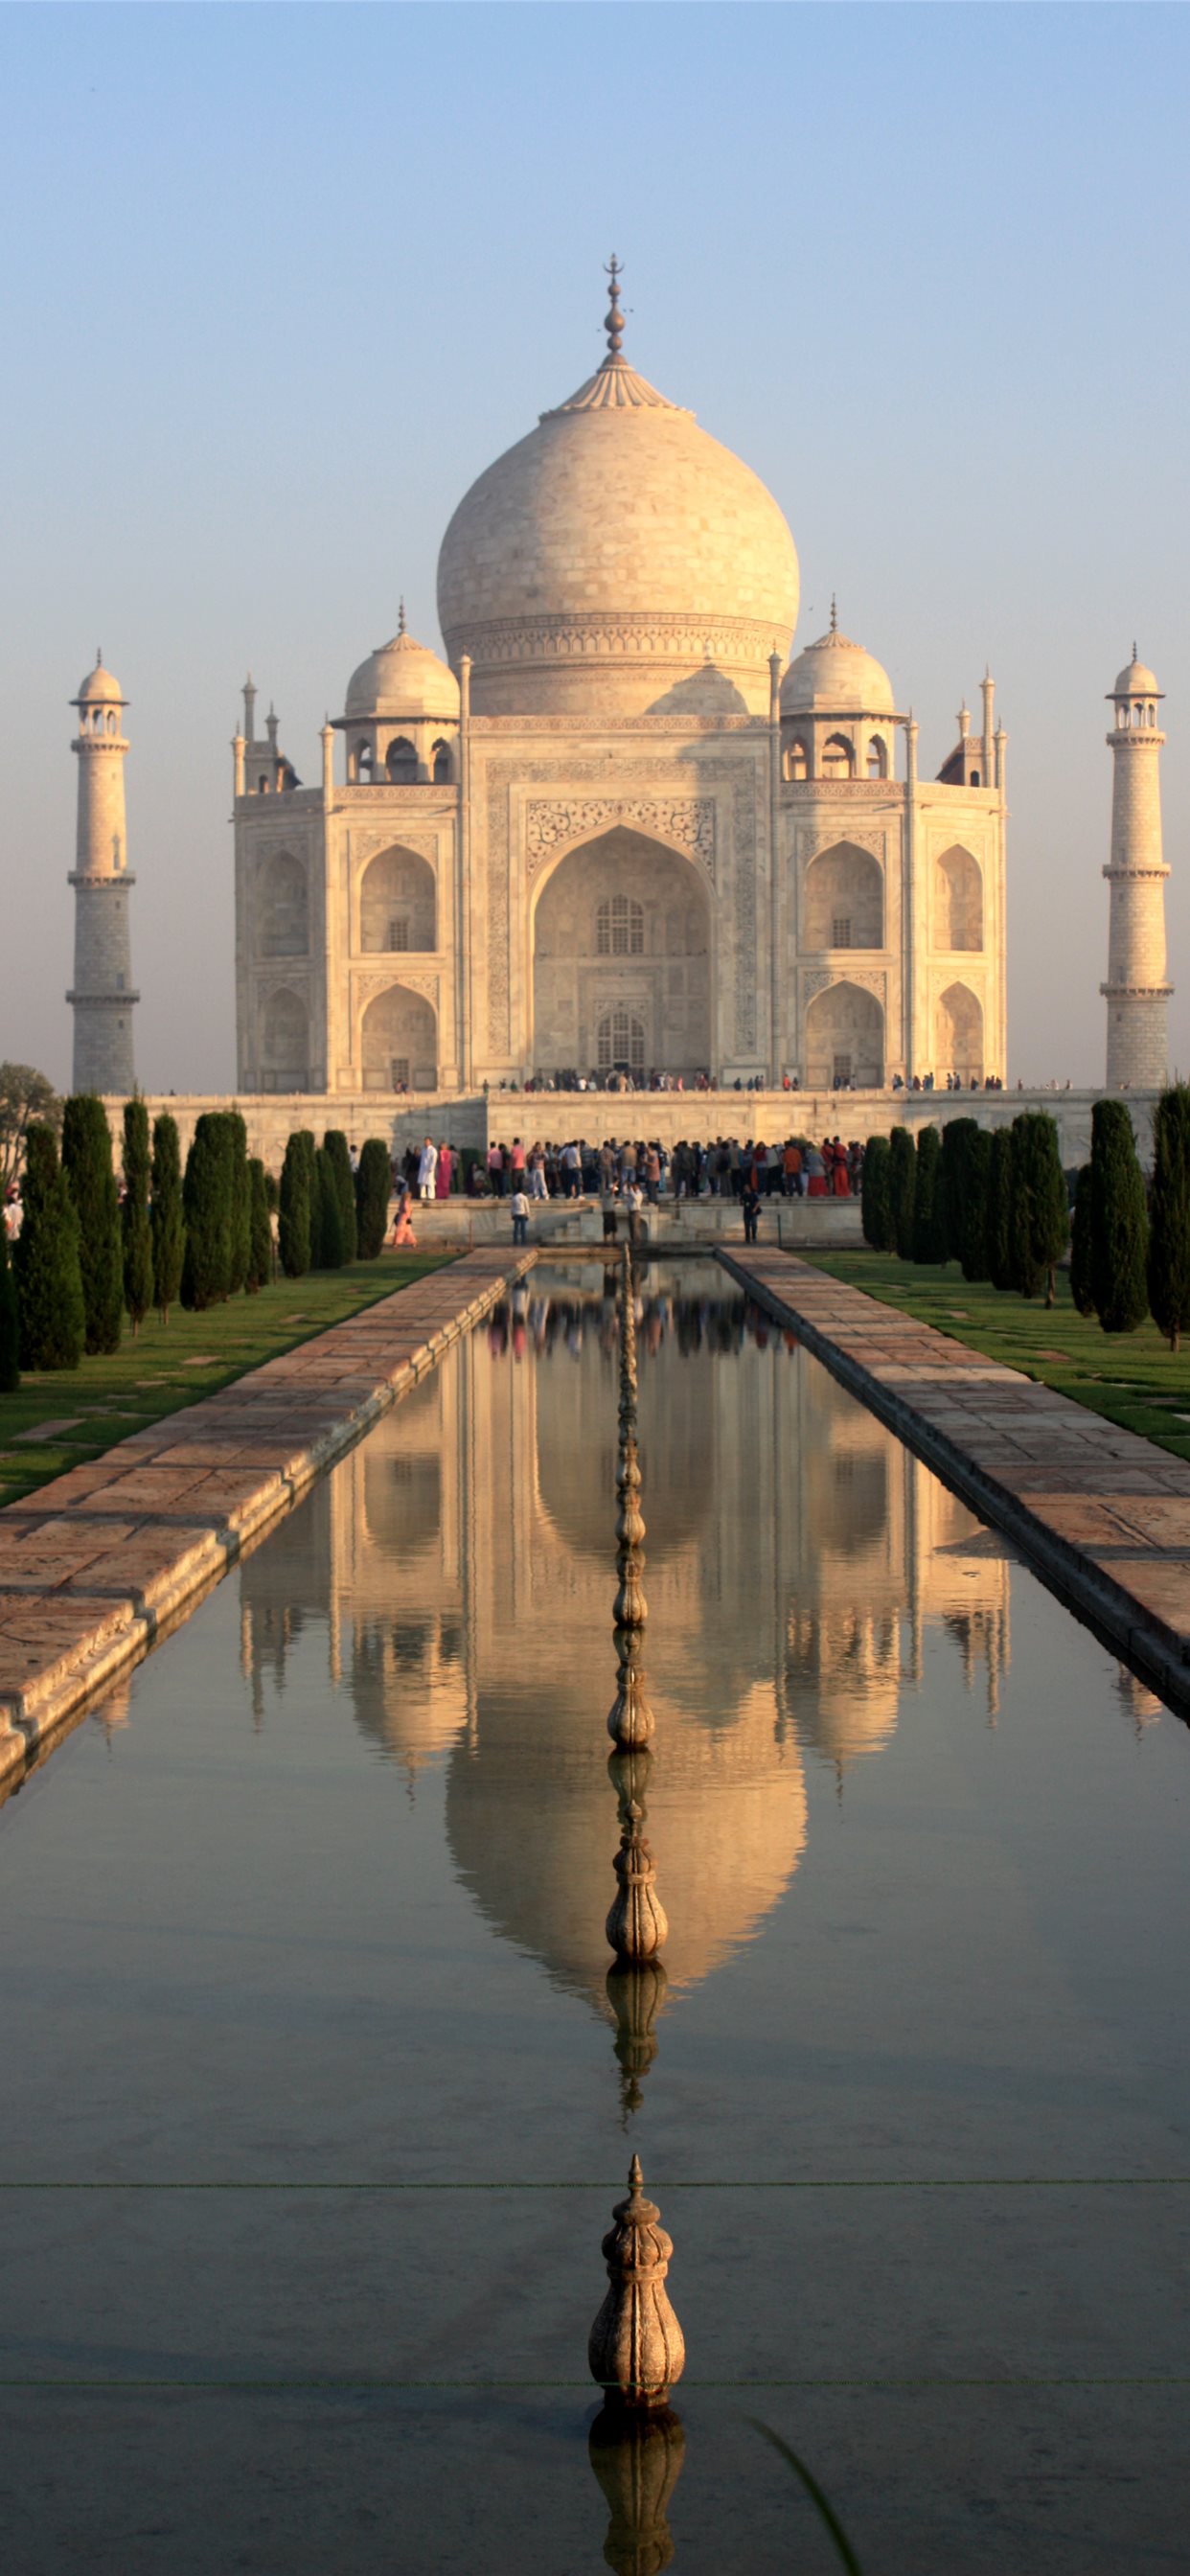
(617, 560)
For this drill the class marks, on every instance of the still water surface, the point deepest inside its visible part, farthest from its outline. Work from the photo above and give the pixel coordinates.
(318, 1901)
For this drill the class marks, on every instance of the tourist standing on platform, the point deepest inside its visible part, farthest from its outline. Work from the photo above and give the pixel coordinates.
(426, 1169)
(496, 1169)
(538, 1188)
(750, 1199)
(520, 1218)
(443, 1172)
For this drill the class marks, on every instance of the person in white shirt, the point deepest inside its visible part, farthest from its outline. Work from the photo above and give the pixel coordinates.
(520, 1218)
(426, 1169)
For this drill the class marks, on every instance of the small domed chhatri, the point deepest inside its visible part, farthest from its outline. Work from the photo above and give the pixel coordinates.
(836, 677)
(402, 678)
(610, 838)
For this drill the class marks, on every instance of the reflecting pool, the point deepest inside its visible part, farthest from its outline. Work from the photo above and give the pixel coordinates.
(308, 2009)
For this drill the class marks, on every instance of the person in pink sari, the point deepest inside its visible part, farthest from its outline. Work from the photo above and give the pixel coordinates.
(443, 1171)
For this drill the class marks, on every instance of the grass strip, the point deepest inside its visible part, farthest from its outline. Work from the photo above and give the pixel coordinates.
(172, 1366)
(1130, 1378)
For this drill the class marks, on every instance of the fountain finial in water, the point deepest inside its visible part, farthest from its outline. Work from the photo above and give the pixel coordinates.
(637, 2349)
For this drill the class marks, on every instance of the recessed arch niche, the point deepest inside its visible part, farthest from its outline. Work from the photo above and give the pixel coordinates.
(958, 1034)
(622, 925)
(284, 1042)
(844, 1039)
(399, 1041)
(282, 907)
(958, 892)
(843, 899)
(398, 903)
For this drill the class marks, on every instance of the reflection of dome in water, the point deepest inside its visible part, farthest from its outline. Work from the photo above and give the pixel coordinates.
(576, 1464)
(532, 1823)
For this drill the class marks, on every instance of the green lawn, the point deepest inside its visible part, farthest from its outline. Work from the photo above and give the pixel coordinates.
(1133, 1378)
(174, 1365)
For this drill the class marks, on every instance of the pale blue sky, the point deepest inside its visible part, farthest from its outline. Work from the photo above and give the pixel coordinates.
(279, 282)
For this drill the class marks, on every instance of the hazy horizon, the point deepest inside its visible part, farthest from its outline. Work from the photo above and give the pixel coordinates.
(281, 282)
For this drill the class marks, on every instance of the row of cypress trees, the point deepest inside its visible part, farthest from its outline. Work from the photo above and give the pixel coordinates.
(82, 1259)
(995, 1204)
(1130, 1251)
(328, 1214)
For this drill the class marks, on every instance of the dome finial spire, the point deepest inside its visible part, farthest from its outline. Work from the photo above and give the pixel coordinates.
(401, 617)
(834, 616)
(614, 319)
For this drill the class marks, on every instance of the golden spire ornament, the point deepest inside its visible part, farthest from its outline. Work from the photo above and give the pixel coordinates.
(636, 2348)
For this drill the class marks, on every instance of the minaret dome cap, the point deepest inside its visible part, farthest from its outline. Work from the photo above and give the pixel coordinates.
(100, 689)
(1136, 681)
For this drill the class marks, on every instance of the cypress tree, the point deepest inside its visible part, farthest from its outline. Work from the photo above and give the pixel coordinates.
(999, 1210)
(1119, 1221)
(138, 1239)
(1039, 1220)
(167, 1220)
(260, 1240)
(902, 1179)
(1169, 1215)
(1080, 1245)
(373, 1181)
(87, 1163)
(240, 1241)
(875, 1196)
(295, 1211)
(49, 1280)
(956, 1139)
(973, 1206)
(929, 1240)
(10, 1321)
(335, 1144)
(207, 1205)
(327, 1230)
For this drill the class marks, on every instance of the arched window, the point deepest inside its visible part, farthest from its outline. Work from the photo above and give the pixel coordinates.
(620, 927)
(877, 758)
(402, 763)
(363, 763)
(838, 757)
(1152, 715)
(442, 764)
(975, 778)
(113, 723)
(795, 760)
(284, 1043)
(621, 1042)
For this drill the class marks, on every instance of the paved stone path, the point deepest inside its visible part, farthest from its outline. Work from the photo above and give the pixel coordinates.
(1103, 1514)
(95, 1565)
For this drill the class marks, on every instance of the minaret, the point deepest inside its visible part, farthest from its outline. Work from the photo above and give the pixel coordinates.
(102, 997)
(1136, 989)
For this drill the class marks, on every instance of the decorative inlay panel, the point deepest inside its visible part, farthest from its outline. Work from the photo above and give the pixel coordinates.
(555, 824)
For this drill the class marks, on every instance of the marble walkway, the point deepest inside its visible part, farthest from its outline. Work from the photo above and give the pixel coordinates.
(1103, 1514)
(96, 1565)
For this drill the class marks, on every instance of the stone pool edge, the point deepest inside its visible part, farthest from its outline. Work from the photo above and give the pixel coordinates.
(1158, 1647)
(103, 1510)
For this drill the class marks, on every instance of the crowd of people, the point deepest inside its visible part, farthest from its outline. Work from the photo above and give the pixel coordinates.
(629, 1174)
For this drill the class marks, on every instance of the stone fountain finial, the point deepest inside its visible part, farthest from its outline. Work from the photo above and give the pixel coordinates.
(630, 1719)
(636, 2347)
(637, 1926)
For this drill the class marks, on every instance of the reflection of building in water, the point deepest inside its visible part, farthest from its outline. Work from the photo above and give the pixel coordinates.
(463, 1558)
